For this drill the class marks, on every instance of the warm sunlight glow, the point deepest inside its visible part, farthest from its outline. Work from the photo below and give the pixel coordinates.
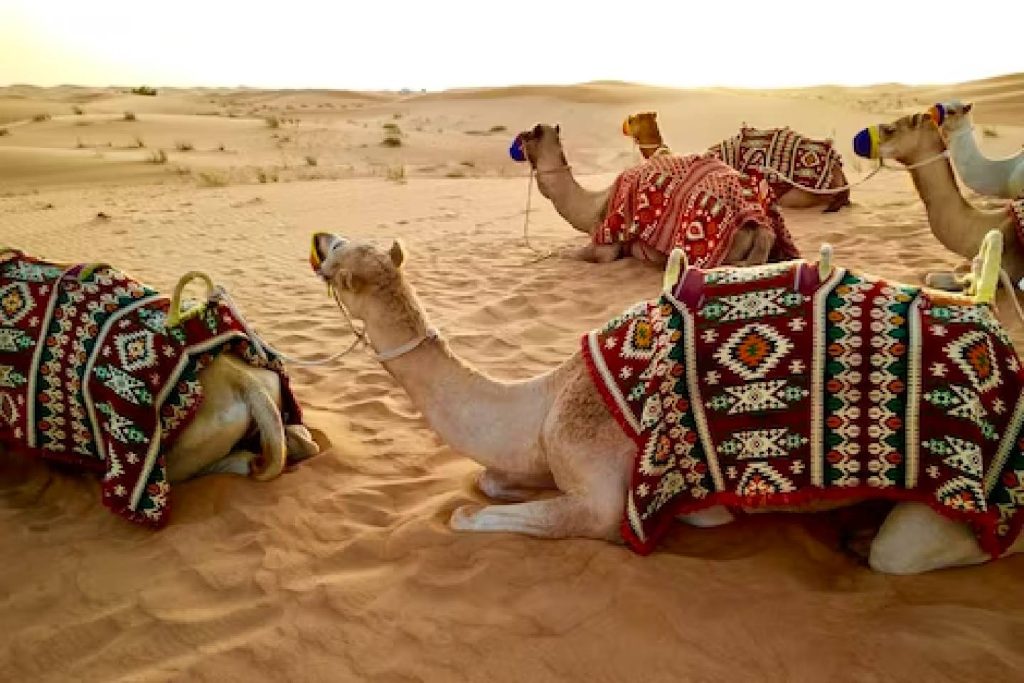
(453, 43)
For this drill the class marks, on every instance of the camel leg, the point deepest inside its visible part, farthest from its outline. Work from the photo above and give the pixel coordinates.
(718, 515)
(597, 253)
(569, 515)
(915, 538)
(947, 281)
(299, 443)
(760, 247)
(512, 488)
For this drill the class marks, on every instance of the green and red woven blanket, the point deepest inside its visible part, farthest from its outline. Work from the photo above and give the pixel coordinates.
(783, 152)
(694, 202)
(765, 386)
(1016, 209)
(91, 375)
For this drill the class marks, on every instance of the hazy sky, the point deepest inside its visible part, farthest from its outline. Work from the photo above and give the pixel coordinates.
(439, 44)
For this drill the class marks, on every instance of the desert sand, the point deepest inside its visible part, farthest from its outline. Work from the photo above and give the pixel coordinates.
(344, 568)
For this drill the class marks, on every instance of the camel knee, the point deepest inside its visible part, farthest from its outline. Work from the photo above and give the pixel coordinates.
(914, 539)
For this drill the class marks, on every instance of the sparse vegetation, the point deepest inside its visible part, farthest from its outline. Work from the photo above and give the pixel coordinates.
(212, 179)
(79, 144)
(310, 160)
(4, 131)
(157, 157)
(396, 173)
(266, 176)
(39, 118)
(498, 129)
(183, 146)
(989, 132)
(144, 90)
(455, 173)
(139, 143)
(272, 121)
(129, 116)
(392, 135)
(77, 111)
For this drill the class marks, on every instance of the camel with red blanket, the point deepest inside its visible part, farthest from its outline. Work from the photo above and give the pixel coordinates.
(801, 171)
(753, 388)
(101, 372)
(717, 215)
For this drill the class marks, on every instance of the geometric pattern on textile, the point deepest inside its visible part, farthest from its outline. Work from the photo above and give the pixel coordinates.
(776, 152)
(975, 355)
(1016, 210)
(753, 351)
(107, 387)
(693, 202)
(845, 389)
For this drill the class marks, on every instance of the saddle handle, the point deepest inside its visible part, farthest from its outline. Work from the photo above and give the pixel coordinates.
(175, 316)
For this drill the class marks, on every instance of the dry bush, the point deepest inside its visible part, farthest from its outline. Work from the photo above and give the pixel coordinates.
(183, 146)
(39, 118)
(272, 121)
(129, 116)
(157, 157)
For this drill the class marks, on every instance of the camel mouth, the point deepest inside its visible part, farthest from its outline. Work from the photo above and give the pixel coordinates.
(516, 150)
(865, 143)
(323, 244)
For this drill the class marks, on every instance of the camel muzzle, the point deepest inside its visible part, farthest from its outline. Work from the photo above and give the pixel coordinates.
(516, 150)
(322, 245)
(865, 143)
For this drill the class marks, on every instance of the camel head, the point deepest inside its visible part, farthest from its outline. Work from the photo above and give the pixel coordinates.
(363, 276)
(907, 140)
(541, 146)
(952, 116)
(642, 126)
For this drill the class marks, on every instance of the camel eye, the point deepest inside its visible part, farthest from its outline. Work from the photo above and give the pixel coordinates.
(889, 130)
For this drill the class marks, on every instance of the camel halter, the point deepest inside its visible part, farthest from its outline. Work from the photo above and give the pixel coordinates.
(541, 255)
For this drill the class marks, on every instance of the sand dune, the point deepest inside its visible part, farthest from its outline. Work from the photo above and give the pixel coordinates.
(344, 569)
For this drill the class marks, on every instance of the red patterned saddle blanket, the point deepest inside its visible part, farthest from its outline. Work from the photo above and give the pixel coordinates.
(810, 163)
(1016, 209)
(695, 202)
(91, 375)
(765, 386)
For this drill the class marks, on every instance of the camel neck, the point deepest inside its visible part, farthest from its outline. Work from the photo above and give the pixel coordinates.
(954, 222)
(583, 209)
(484, 419)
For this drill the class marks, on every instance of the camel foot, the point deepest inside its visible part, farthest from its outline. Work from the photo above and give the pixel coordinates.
(299, 443)
(914, 539)
(718, 515)
(945, 281)
(559, 517)
(238, 462)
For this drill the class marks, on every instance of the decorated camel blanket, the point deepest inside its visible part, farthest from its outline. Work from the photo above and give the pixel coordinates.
(763, 386)
(781, 152)
(1016, 209)
(91, 375)
(694, 202)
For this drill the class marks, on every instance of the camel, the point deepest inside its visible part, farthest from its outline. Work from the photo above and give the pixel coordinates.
(586, 210)
(643, 128)
(236, 394)
(554, 432)
(916, 142)
(991, 177)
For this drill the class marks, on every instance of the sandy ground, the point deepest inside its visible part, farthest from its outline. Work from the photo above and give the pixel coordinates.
(344, 568)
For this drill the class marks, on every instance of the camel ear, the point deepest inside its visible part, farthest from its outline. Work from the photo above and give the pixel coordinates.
(397, 254)
(968, 106)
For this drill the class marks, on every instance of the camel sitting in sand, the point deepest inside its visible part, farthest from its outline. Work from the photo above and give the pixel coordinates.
(915, 141)
(564, 431)
(991, 177)
(97, 370)
(812, 163)
(719, 216)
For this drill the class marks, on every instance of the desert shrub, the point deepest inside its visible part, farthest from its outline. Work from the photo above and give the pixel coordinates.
(39, 118)
(129, 116)
(144, 90)
(183, 146)
(157, 157)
